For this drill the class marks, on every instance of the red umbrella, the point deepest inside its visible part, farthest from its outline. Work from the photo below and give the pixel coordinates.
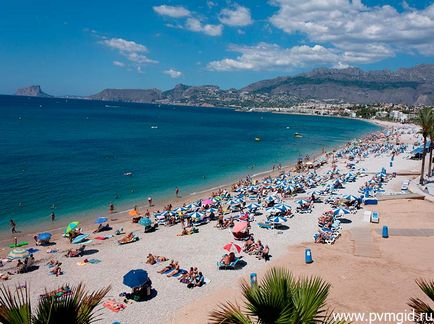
(231, 247)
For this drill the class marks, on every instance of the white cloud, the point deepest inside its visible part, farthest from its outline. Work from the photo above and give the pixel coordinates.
(344, 24)
(117, 63)
(172, 11)
(265, 56)
(238, 16)
(174, 74)
(132, 51)
(195, 25)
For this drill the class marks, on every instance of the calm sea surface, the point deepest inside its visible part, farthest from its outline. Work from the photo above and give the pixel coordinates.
(73, 154)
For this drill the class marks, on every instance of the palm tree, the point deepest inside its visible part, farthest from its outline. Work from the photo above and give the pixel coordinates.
(78, 307)
(431, 146)
(425, 121)
(425, 314)
(278, 298)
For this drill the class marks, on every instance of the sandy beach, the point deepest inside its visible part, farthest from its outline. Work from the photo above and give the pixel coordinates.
(383, 272)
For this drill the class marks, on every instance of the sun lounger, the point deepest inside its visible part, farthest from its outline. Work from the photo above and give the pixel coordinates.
(375, 217)
(265, 225)
(367, 216)
(230, 266)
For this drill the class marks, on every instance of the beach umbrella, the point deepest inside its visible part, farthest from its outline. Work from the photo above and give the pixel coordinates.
(133, 212)
(283, 207)
(234, 202)
(316, 193)
(80, 238)
(135, 278)
(240, 227)
(289, 188)
(278, 220)
(71, 227)
(270, 199)
(180, 209)
(231, 247)
(253, 206)
(350, 198)
(273, 210)
(301, 202)
(216, 198)
(44, 236)
(207, 202)
(192, 206)
(196, 215)
(340, 211)
(212, 210)
(18, 253)
(145, 221)
(101, 220)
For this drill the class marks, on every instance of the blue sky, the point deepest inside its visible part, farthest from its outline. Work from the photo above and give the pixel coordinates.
(80, 47)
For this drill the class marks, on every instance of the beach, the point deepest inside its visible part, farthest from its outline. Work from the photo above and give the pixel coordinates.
(365, 277)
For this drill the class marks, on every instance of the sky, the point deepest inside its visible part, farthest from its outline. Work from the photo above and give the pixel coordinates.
(83, 46)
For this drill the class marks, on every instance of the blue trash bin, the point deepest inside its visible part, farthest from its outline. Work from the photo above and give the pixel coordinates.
(308, 256)
(385, 232)
(253, 279)
(391, 163)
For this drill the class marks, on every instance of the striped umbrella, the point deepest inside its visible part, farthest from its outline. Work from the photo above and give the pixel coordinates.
(232, 247)
(18, 253)
(71, 227)
(340, 211)
(283, 207)
(301, 202)
(278, 220)
(253, 206)
(196, 215)
(350, 198)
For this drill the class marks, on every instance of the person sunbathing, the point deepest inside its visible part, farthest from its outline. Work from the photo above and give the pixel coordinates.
(102, 228)
(187, 276)
(225, 260)
(248, 244)
(53, 263)
(170, 266)
(175, 271)
(57, 271)
(127, 238)
(264, 254)
(186, 231)
(4, 277)
(75, 253)
(151, 259)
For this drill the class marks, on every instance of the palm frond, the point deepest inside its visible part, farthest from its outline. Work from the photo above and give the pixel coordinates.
(422, 309)
(427, 287)
(229, 313)
(77, 307)
(15, 306)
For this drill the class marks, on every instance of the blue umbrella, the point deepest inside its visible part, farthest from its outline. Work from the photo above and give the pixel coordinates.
(44, 236)
(145, 221)
(282, 207)
(278, 220)
(340, 211)
(273, 210)
(350, 198)
(135, 278)
(80, 238)
(301, 202)
(101, 220)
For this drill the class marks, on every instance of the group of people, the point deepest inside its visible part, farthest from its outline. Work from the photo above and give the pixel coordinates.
(256, 248)
(193, 277)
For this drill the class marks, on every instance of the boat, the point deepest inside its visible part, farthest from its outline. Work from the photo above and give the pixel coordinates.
(128, 174)
(298, 135)
(257, 139)
(154, 127)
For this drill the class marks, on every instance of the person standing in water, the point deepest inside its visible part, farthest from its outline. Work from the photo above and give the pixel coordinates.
(53, 216)
(13, 226)
(177, 192)
(150, 201)
(111, 208)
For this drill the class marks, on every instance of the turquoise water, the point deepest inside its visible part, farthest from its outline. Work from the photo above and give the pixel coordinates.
(73, 154)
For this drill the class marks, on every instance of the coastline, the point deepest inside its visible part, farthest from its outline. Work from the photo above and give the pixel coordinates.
(121, 217)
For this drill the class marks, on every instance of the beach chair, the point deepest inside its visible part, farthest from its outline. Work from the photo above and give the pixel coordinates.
(265, 225)
(230, 266)
(375, 217)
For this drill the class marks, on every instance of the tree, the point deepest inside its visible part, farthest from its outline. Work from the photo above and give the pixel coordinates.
(425, 314)
(278, 298)
(78, 307)
(431, 146)
(425, 121)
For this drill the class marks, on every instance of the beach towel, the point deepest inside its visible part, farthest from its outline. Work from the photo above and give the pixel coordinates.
(32, 250)
(114, 306)
(52, 251)
(94, 261)
(101, 238)
(181, 272)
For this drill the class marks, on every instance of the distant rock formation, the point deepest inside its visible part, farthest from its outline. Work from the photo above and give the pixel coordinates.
(32, 91)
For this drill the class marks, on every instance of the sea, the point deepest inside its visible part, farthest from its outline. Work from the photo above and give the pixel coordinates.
(74, 157)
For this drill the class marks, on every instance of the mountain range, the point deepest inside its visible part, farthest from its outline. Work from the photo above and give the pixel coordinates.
(410, 86)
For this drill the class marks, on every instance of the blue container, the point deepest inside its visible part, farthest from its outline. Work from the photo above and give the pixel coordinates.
(253, 279)
(308, 256)
(391, 164)
(393, 157)
(385, 232)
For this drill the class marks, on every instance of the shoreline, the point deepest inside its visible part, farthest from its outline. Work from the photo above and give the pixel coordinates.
(118, 217)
